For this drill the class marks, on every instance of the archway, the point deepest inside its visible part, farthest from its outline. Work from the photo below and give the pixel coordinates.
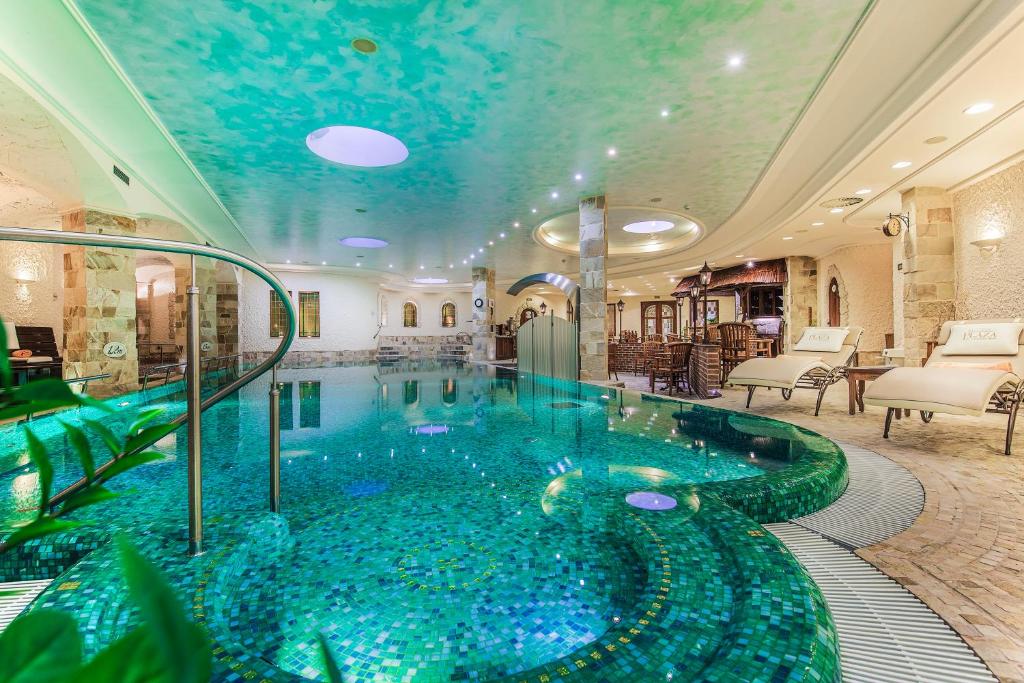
(837, 302)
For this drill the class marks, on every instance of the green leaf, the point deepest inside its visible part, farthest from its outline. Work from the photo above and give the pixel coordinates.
(333, 672)
(38, 396)
(5, 362)
(41, 459)
(144, 418)
(149, 436)
(132, 658)
(87, 496)
(40, 647)
(122, 465)
(80, 442)
(182, 645)
(103, 431)
(43, 526)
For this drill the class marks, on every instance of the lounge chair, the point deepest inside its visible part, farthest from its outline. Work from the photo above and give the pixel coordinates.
(818, 360)
(975, 368)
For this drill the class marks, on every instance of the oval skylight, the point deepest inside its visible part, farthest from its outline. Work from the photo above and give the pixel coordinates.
(364, 242)
(356, 146)
(430, 280)
(645, 227)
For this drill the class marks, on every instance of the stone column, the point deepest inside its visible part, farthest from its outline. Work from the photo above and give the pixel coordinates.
(206, 277)
(801, 297)
(227, 318)
(99, 306)
(483, 314)
(593, 290)
(928, 269)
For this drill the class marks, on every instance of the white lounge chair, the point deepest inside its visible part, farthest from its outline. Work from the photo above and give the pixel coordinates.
(818, 360)
(977, 367)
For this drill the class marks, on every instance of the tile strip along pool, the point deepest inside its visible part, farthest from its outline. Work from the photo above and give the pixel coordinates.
(499, 548)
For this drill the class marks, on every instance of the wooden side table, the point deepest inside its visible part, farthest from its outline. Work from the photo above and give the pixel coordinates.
(759, 347)
(856, 377)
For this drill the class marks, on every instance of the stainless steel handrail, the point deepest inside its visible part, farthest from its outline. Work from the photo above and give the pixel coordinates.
(173, 247)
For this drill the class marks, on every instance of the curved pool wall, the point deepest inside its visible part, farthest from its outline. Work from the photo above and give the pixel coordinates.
(699, 592)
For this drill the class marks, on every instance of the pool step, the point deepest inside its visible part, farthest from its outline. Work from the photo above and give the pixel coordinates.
(12, 605)
(885, 632)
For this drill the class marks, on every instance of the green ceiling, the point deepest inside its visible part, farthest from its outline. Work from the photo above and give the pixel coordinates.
(498, 102)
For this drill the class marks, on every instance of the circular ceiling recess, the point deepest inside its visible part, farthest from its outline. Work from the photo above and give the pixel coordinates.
(356, 146)
(364, 45)
(648, 227)
(364, 242)
(840, 202)
(430, 280)
(631, 230)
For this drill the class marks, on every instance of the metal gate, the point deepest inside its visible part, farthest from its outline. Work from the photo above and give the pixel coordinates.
(548, 345)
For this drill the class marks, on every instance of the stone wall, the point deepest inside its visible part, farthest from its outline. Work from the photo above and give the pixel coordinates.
(864, 273)
(419, 347)
(482, 316)
(227, 318)
(800, 298)
(593, 291)
(313, 359)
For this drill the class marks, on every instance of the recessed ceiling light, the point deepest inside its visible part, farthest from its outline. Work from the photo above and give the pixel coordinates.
(578, 176)
(391, 265)
(516, 224)
(364, 242)
(501, 235)
(645, 227)
(838, 209)
(481, 250)
(612, 151)
(664, 113)
(451, 265)
(863, 190)
(787, 238)
(554, 195)
(750, 264)
(736, 61)
(902, 164)
(472, 256)
(431, 280)
(978, 108)
(739, 256)
(533, 210)
(288, 260)
(358, 264)
(357, 146)
(464, 262)
(323, 263)
(818, 224)
(421, 266)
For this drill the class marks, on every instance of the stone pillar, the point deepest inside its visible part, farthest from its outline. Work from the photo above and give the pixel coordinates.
(227, 318)
(801, 297)
(99, 306)
(482, 328)
(928, 269)
(593, 290)
(206, 277)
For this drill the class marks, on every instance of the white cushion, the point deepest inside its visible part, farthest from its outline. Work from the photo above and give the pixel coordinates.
(983, 339)
(12, 336)
(824, 339)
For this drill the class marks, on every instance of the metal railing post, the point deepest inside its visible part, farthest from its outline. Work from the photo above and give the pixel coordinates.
(193, 397)
(275, 442)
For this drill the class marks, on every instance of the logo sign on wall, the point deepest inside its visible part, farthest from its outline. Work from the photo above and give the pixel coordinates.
(478, 302)
(206, 346)
(114, 350)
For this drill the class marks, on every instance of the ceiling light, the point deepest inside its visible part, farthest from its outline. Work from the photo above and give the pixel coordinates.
(472, 256)
(736, 61)
(359, 265)
(554, 195)
(288, 260)
(431, 280)
(818, 224)
(516, 224)
(750, 264)
(490, 243)
(501, 235)
(664, 113)
(364, 242)
(739, 256)
(451, 265)
(533, 210)
(787, 238)
(612, 152)
(578, 176)
(421, 266)
(901, 164)
(978, 108)
(481, 250)
(356, 146)
(391, 265)
(323, 263)
(863, 190)
(935, 139)
(364, 45)
(645, 227)
(838, 209)
(464, 261)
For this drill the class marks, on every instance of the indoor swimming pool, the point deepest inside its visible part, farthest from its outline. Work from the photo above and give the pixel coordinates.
(460, 523)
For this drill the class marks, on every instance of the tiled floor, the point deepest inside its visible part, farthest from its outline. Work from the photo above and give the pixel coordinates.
(964, 556)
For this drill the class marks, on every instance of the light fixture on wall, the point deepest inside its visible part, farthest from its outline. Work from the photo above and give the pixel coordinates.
(894, 225)
(543, 308)
(991, 241)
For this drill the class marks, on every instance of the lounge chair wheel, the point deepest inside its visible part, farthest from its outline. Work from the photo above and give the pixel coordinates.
(926, 416)
(787, 394)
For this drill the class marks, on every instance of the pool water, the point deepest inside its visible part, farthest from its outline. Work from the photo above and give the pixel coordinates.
(447, 523)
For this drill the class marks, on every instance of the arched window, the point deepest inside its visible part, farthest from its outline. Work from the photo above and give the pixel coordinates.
(447, 314)
(382, 312)
(409, 315)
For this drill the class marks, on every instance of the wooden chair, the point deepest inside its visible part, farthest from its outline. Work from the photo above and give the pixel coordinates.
(734, 338)
(713, 334)
(672, 366)
(644, 359)
(613, 359)
(655, 337)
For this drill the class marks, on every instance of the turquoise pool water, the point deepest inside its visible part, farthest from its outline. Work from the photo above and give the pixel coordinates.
(445, 523)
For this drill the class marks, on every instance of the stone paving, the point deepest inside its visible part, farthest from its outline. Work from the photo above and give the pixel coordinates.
(964, 556)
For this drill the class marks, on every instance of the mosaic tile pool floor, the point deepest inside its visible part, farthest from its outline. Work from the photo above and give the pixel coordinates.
(445, 524)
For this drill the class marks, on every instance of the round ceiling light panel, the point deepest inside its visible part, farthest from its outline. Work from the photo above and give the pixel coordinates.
(647, 227)
(430, 280)
(357, 146)
(364, 242)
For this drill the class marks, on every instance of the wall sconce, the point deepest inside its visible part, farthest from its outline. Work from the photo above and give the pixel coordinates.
(989, 245)
(26, 275)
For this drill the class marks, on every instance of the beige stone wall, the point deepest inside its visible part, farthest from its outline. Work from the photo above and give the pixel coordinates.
(989, 284)
(864, 273)
(31, 291)
(593, 292)
(482, 317)
(800, 297)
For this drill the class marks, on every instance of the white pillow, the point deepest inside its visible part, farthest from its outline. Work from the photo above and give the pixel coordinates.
(983, 339)
(822, 339)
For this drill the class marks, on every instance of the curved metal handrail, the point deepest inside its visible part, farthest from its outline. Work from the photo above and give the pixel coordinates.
(172, 247)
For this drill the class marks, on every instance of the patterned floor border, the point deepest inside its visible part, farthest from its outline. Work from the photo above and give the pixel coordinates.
(886, 634)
